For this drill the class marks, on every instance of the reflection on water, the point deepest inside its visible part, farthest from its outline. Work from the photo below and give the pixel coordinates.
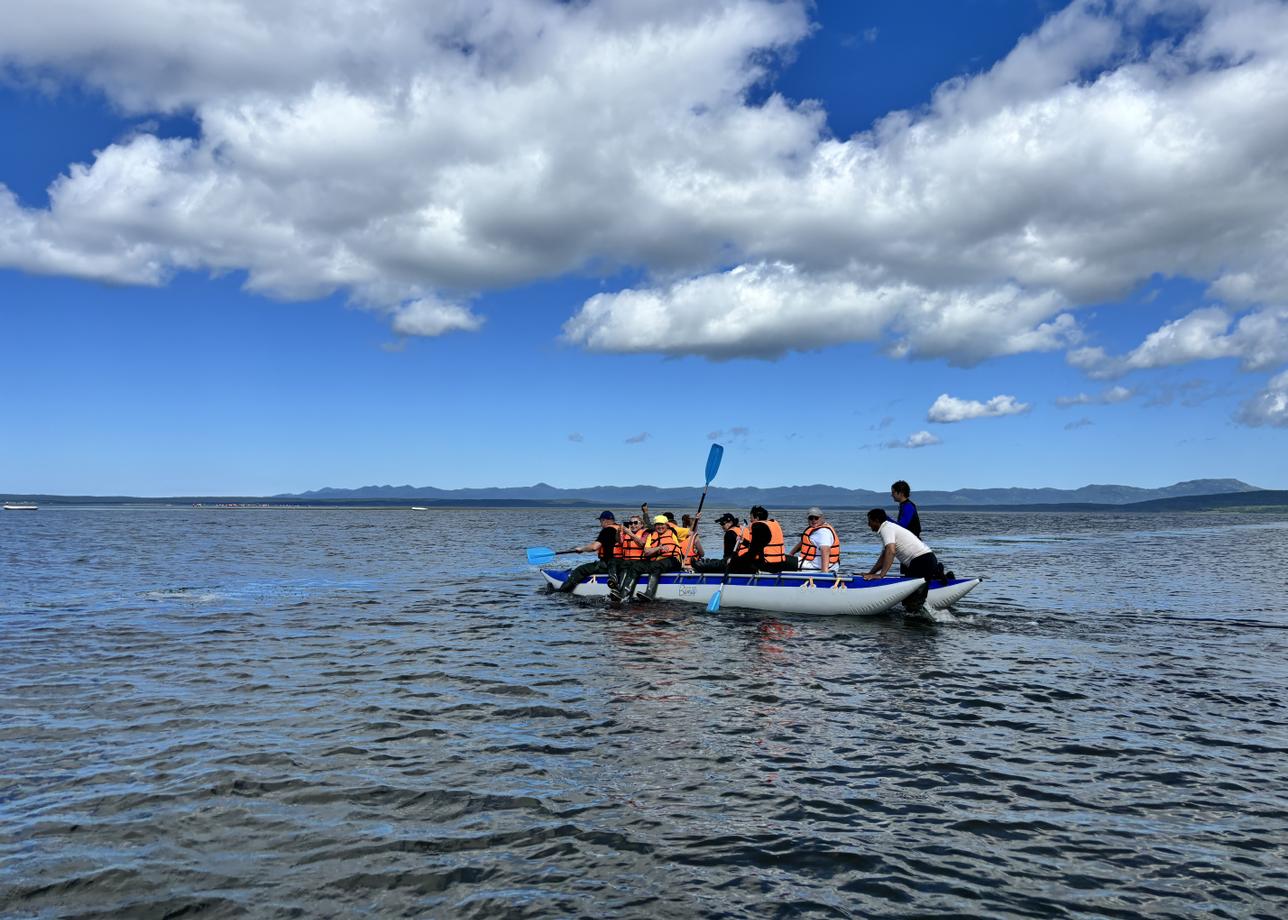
(312, 713)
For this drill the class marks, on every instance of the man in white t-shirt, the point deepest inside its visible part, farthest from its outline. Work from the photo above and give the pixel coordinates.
(900, 543)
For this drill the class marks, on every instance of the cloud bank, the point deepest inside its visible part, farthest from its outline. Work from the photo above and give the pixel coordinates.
(412, 155)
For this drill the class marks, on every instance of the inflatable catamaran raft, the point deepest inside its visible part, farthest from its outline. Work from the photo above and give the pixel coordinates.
(787, 592)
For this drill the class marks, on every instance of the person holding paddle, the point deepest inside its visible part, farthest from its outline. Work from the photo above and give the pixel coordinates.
(605, 546)
(689, 534)
(732, 538)
(617, 547)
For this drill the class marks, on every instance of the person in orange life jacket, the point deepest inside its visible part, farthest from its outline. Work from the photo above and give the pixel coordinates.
(818, 541)
(732, 537)
(662, 553)
(605, 545)
(633, 535)
(762, 546)
(681, 532)
(689, 528)
(914, 556)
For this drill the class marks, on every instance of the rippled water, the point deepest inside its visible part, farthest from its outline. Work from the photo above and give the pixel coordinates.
(322, 713)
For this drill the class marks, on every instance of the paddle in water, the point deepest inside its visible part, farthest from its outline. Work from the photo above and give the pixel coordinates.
(713, 605)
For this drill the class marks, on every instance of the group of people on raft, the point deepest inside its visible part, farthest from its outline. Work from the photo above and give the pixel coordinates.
(646, 547)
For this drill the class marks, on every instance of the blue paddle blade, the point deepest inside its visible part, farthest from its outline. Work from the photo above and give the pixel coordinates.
(540, 555)
(713, 605)
(713, 462)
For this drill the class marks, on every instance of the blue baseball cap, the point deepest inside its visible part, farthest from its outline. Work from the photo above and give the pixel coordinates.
(607, 516)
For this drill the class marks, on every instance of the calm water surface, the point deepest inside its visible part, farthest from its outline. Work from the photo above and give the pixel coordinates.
(323, 713)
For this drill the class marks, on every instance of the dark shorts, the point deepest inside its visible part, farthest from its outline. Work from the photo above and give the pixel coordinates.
(924, 566)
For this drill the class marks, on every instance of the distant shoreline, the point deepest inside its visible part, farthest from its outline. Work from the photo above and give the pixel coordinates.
(1260, 501)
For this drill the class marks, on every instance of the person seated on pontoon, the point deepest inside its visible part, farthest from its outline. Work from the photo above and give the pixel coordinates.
(819, 541)
(662, 553)
(634, 536)
(604, 546)
(762, 546)
(688, 532)
(732, 540)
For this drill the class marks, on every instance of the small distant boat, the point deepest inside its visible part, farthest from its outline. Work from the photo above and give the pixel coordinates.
(419, 508)
(20, 506)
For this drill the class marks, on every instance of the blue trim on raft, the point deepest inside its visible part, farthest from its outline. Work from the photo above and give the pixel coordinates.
(761, 580)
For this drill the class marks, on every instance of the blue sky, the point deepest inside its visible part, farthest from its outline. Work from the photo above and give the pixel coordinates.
(966, 244)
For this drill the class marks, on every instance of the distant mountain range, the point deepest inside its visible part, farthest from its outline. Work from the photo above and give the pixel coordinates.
(775, 497)
(1195, 495)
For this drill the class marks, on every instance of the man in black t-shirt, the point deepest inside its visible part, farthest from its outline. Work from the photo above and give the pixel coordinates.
(762, 548)
(605, 545)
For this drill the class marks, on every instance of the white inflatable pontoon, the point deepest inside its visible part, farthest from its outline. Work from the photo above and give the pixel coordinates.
(786, 592)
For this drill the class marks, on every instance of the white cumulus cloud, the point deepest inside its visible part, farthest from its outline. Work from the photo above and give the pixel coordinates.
(1258, 339)
(917, 439)
(428, 316)
(766, 309)
(951, 409)
(408, 153)
(1105, 397)
(1269, 407)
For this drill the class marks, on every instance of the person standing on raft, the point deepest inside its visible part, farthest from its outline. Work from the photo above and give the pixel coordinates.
(907, 518)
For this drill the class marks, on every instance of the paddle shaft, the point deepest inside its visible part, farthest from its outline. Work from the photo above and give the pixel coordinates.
(714, 603)
(693, 537)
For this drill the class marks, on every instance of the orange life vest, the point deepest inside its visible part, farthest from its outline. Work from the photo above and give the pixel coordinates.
(630, 549)
(689, 543)
(809, 550)
(618, 553)
(669, 542)
(773, 550)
